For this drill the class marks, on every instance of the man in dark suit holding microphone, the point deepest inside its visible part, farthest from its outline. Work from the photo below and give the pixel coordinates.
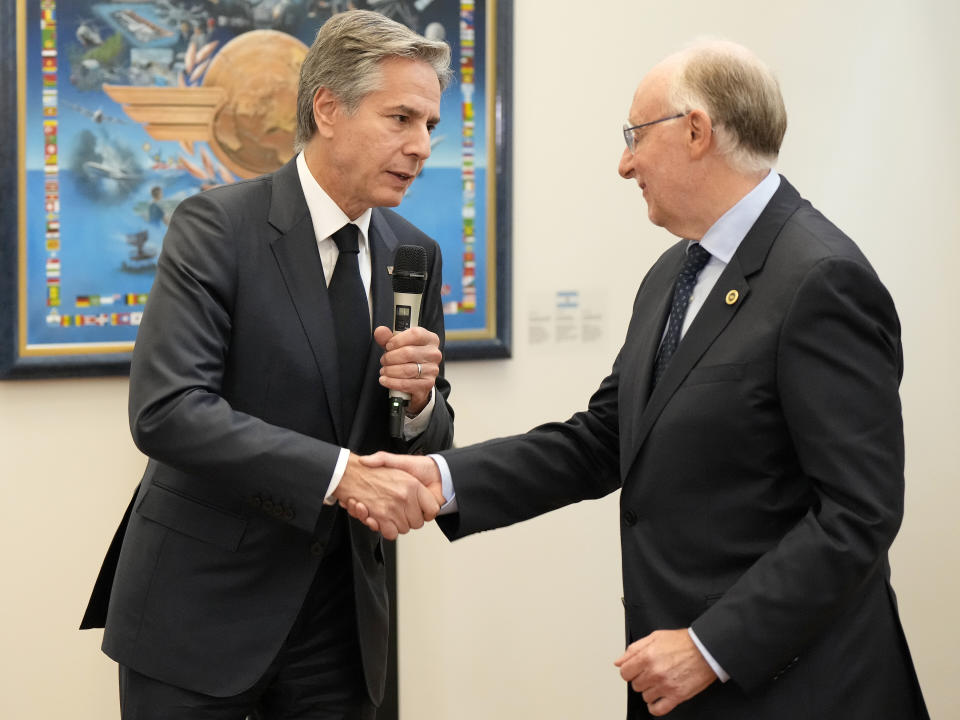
(236, 586)
(752, 421)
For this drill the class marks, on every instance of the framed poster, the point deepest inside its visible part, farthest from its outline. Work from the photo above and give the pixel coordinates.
(114, 111)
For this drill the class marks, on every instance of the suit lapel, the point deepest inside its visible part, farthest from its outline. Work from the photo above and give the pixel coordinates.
(383, 244)
(383, 247)
(714, 316)
(295, 250)
(656, 323)
(640, 347)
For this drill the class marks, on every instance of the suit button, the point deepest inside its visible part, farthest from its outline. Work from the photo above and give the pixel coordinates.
(288, 514)
(317, 549)
(629, 517)
(267, 506)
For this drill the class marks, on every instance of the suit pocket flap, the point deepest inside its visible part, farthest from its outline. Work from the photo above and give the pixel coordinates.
(190, 517)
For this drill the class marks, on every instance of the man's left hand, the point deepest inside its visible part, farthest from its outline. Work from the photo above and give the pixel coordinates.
(410, 364)
(666, 668)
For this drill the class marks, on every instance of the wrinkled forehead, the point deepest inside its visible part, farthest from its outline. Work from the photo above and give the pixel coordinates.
(651, 96)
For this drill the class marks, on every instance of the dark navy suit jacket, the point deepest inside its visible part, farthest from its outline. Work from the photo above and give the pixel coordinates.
(762, 478)
(234, 396)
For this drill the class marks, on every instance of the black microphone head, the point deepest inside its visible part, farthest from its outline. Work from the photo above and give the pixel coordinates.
(410, 269)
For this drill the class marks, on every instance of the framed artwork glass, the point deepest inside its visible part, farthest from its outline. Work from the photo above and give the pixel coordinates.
(113, 112)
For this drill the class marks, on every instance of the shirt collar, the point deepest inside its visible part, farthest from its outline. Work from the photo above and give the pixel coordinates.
(326, 215)
(725, 235)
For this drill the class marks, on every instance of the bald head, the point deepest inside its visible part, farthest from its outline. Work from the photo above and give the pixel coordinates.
(737, 91)
(706, 126)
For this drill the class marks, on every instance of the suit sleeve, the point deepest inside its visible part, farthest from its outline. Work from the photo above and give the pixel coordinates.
(508, 480)
(839, 366)
(178, 414)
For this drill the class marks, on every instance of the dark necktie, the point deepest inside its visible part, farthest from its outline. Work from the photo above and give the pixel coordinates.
(696, 258)
(351, 319)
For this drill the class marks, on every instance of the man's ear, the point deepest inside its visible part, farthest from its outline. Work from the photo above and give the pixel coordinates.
(699, 133)
(325, 109)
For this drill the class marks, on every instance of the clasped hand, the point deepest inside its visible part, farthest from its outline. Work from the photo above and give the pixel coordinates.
(666, 668)
(410, 363)
(391, 494)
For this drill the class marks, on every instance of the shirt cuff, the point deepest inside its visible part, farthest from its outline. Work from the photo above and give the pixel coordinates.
(413, 426)
(339, 469)
(446, 485)
(714, 665)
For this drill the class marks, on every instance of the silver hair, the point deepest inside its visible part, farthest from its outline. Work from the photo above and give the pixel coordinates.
(741, 96)
(345, 58)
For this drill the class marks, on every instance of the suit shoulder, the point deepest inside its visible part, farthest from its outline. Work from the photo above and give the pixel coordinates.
(236, 200)
(243, 204)
(812, 238)
(237, 194)
(812, 253)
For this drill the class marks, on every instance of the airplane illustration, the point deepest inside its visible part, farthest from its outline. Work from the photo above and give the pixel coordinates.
(176, 14)
(88, 35)
(109, 170)
(98, 116)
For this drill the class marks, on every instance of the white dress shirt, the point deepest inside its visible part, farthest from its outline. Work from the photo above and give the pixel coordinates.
(327, 218)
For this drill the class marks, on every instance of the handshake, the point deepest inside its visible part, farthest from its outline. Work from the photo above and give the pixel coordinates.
(391, 494)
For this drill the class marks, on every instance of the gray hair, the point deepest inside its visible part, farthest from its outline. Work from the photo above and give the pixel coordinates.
(741, 96)
(345, 58)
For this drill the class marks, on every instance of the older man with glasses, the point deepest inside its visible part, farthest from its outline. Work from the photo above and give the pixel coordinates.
(751, 420)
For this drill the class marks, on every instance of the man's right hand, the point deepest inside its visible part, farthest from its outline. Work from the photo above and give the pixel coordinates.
(393, 501)
(418, 466)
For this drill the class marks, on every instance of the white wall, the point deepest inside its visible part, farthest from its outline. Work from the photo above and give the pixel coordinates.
(526, 622)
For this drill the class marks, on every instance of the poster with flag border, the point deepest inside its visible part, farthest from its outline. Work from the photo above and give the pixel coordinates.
(87, 185)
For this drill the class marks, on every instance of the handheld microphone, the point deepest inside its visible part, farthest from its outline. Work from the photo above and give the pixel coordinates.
(409, 282)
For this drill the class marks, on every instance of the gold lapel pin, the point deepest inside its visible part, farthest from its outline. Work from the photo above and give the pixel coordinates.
(732, 297)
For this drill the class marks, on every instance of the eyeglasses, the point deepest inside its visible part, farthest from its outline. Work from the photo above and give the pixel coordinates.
(630, 137)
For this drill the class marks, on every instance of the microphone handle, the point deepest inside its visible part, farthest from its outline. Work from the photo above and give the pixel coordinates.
(406, 310)
(406, 314)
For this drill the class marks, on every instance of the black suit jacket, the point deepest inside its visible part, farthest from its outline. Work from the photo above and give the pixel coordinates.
(762, 478)
(234, 396)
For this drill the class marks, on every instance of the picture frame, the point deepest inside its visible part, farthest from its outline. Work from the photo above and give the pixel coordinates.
(87, 181)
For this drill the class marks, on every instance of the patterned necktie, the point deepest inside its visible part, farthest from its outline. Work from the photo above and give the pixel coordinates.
(351, 319)
(696, 258)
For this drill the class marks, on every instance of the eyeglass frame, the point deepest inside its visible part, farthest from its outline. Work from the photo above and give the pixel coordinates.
(628, 136)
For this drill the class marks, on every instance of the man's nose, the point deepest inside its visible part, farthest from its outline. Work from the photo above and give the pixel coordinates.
(626, 164)
(419, 144)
